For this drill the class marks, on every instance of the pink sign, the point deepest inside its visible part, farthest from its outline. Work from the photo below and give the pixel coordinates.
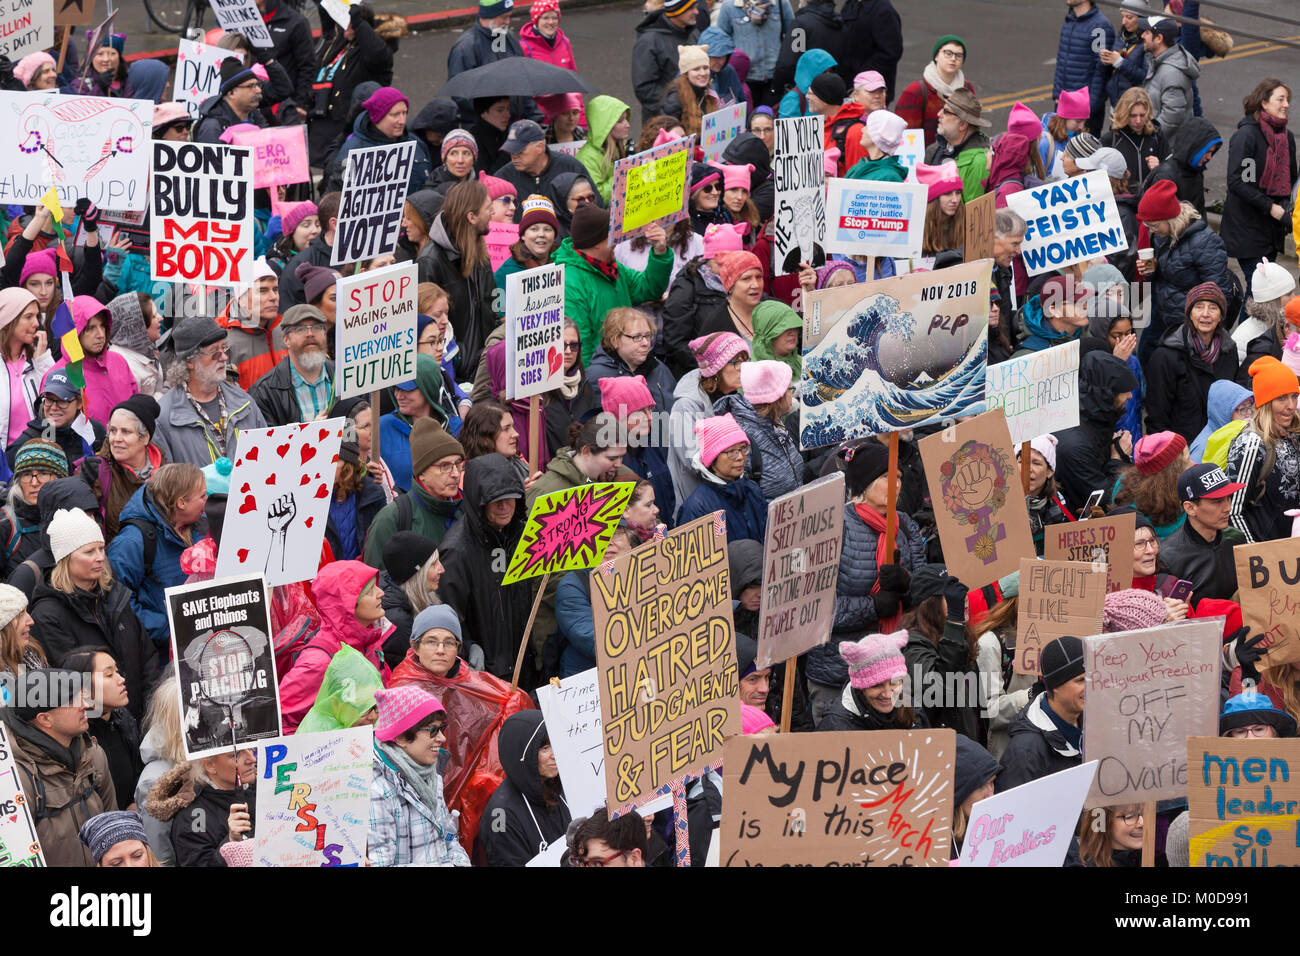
(279, 155)
(501, 236)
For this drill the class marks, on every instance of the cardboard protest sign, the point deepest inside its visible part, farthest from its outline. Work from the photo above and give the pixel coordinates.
(838, 799)
(801, 564)
(534, 331)
(719, 128)
(567, 149)
(1097, 540)
(1147, 692)
(1071, 220)
(313, 799)
(911, 151)
(74, 13)
(374, 330)
(865, 218)
(666, 653)
(893, 354)
(651, 188)
(198, 73)
(221, 642)
(501, 236)
(569, 530)
(1267, 574)
(798, 175)
(242, 16)
(27, 26)
(85, 146)
(201, 220)
(1028, 825)
(19, 844)
(370, 210)
(279, 155)
(979, 506)
(279, 503)
(1039, 392)
(1243, 801)
(979, 213)
(1056, 598)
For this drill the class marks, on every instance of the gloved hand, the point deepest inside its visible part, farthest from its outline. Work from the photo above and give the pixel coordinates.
(954, 593)
(894, 577)
(887, 603)
(1247, 652)
(89, 214)
(474, 657)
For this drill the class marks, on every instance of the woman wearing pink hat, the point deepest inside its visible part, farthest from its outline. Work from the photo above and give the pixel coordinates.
(873, 697)
(741, 274)
(1150, 484)
(774, 461)
(26, 358)
(736, 205)
(32, 261)
(718, 357)
(299, 225)
(409, 821)
(1071, 116)
(36, 71)
(945, 213)
(542, 39)
(721, 464)
(568, 124)
(628, 399)
(697, 296)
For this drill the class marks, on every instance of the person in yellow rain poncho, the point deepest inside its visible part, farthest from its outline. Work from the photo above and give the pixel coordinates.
(347, 694)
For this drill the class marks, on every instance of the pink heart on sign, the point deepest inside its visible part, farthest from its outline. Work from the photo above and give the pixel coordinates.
(270, 479)
(246, 489)
(553, 360)
(281, 450)
(324, 433)
(305, 479)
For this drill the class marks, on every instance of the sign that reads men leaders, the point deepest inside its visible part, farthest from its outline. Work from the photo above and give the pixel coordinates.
(375, 180)
(1243, 801)
(866, 218)
(1038, 392)
(534, 331)
(374, 335)
(650, 188)
(799, 175)
(201, 217)
(1070, 221)
(666, 652)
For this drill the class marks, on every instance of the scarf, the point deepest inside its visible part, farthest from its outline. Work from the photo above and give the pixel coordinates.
(1209, 354)
(1276, 178)
(945, 90)
(608, 269)
(569, 384)
(423, 780)
(876, 522)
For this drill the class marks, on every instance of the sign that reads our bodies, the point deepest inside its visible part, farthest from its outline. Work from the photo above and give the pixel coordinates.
(375, 331)
(1038, 392)
(1070, 221)
(375, 180)
(865, 218)
(201, 216)
(534, 331)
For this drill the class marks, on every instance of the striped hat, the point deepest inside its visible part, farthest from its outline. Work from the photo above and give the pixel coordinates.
(401, 708)
(38, 455)
(538, 209)
(459, 137)
(675, 8)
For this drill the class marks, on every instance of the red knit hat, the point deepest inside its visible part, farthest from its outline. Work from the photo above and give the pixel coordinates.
(1159, 202)
(732, 265)
(1152, 453)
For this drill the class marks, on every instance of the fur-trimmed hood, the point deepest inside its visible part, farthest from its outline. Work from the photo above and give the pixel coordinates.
(173, 792)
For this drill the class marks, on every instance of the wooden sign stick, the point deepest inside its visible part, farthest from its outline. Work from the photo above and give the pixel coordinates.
(1149, 834)
(891, 513)
(374, 426)
(1024, 465)
(787, 692)
(63, 50)
(528, 631)
(534, 430)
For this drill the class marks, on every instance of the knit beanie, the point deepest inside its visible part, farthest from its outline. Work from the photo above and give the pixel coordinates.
(1024, 122)
(1206, 292)
(715, 435)
(1132, 610)
(43, 689)
(382, 101)
(764, 382)
(1061, 661)
(316, 280)
(724, 237)
(753, 719)
(1151, 453)
(1159, 202)
(104, 831)
(436, 615)
(458, 137)
(497, 187)
(233, 73)
(292, 214)
(538, 210)
(949, 38)
(941, 179)
(41, 263)
(875, 659)
(1270, 281)
(71, 529)
(1081, 145)
(1270, 379)
(38, 455)
(746, 654)
(621, 395)
(1291, 311)
(1045, 445)
(864, 463)
(676, 8)
(886, 130)
(732, 265)
(143, 407)
(542, 7)
(691, 57)
(829, 88)
(429, 442)
(1074, 104)
(12, 603)
(30, 65)
(827, 272)
(715, 350)
(590, 226)
(928, 580)
(405, 553)
(401, 708)
(216, 476)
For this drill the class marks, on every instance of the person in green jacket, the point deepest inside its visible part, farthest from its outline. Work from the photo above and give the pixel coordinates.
(776, 335)
(882, 136)
(606, 141)
(437, 461)
(594, 283)
(347, 694)
(961, 141)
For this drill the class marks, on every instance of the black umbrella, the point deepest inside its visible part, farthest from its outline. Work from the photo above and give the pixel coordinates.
(515, 76)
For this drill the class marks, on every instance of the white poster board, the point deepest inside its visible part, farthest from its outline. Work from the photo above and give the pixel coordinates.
(198, 73)
(719, 128)
(374, 329)
(799, 174)
(26, 26)
(534, 331)
(201, 225)
(1029, 825)
(1038, 392)
(866, 218)
(19, 844)
(375, 180)
(1072, 220)
(242, 16)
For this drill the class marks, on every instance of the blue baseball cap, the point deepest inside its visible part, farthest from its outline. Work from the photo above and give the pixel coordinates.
(56, 383)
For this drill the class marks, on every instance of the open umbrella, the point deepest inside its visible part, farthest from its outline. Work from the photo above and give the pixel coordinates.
(515, 76)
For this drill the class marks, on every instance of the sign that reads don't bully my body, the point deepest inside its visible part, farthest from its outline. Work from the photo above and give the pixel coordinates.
(374, 336)
(375, 181)
(201, 215)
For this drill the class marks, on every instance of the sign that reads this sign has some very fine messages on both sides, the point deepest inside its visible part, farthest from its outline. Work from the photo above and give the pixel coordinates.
(534, 331)
(374, 333)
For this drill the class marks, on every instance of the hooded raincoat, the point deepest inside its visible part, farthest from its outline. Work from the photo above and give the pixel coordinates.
(603, 113)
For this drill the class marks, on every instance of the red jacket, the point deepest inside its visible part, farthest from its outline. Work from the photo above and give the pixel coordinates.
(852, 150)
(919, 105)
(254, 352)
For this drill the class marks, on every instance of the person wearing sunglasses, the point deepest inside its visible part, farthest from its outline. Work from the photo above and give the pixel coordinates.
(409, 821)
(61, 419)
(720, 463)
(706, 195)
(528, 811)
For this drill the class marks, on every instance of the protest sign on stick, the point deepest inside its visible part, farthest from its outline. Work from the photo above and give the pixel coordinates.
(1243, 801)
(719, 128)
(74, 13)
(979, 213)
(571, 148)
(313, 799)
(279, 155)
(198, 73)
(1148, 691)
(534, 333)
(201, 220)
(893, 354)
(978, 507)
(1267, 574)
(501, 236)
(374, 331)
(375, 180)
(568, 530)
(650, 188)
(27, 26)
(19, 844)
(1028, 825)
(1038, 392)
(1072, 220)
(839, 799)
(866, 218)
(221, 642)
(1056, 598)
(801, 562)
(798, 175)
(243, 17)
(911, 151)
(280, 492)
(1099, 541)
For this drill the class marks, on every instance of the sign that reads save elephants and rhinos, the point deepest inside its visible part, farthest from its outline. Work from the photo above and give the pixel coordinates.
(375, 180)
(375, 329)
(666, 652)
(799, 177)
(1072, 220)
(201, 220)
(534, 331)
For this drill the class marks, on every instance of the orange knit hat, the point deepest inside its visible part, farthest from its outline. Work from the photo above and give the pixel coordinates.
(1271, 379)
(1292, 311)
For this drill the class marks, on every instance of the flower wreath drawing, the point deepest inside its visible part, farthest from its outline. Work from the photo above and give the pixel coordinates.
(974, 487)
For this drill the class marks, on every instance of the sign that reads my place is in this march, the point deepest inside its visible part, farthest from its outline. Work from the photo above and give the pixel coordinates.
(375, 329)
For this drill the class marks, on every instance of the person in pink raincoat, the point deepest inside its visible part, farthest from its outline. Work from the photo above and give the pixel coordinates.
(109, 379)
(542, 39)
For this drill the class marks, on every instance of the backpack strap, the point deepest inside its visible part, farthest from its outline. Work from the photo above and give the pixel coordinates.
(405, 512)
(149, 535)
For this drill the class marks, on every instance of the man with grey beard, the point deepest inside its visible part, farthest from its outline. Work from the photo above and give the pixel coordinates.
(298, 388)
(201, 413)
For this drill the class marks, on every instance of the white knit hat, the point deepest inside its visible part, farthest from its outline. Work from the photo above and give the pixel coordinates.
(1045, 445)
(12, 603)
(69, 530)
(1270, 281)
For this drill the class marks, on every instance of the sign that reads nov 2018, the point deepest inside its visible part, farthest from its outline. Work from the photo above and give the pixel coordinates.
(375, 329)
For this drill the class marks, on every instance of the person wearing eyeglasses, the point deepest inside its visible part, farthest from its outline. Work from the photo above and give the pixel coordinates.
(433, 502)
(920, 102)
(61, 419)
(721, 464)
(1109, 837)
(528, 812)
(36, 465)
(300, 386)
(706, 196)
(598, 841)
(626, 344)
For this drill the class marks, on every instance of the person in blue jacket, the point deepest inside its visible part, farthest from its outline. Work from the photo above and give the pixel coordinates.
(723, 486)
(811, 65)
(575, 625)
(1077, 62)
(1127, 57)
(726, 82)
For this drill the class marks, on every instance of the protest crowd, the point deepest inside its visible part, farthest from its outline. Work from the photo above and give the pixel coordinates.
(698, 373)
